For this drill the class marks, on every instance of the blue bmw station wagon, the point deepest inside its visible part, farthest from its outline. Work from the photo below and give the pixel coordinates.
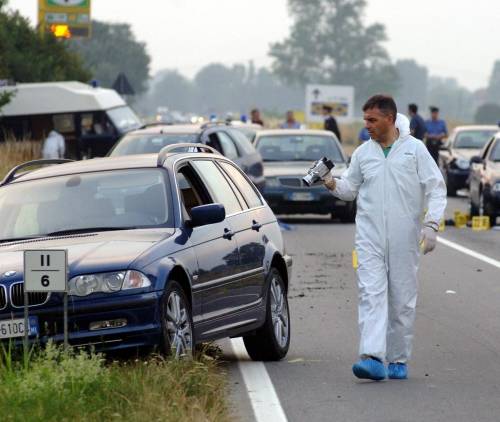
(167, 250)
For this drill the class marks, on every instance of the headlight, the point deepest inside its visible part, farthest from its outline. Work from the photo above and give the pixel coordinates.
(462, 163)
(496, 187)
(272, 182)
(84, 285)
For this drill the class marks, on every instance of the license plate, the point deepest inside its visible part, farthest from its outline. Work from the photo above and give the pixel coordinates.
(301, 196)
(11, 328)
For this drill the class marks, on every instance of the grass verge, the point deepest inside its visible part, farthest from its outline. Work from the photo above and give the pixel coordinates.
(78, 386)
(13, 153)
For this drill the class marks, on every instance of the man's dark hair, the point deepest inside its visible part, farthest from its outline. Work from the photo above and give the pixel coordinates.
(434, 109)
(385, 103)
(327, 108)
(413, 108)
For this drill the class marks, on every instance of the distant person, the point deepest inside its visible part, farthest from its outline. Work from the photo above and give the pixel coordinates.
(330, 122)
(244, 118)
(363, 135)
(255, 117)
(53, 146)
(436, 132)
(290, 122)
(417, 123)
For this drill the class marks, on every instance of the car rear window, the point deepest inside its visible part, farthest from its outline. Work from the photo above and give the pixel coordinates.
(243, 143)
(149, 143)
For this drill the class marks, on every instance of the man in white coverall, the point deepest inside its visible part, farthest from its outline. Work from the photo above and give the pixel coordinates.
(394, 179)
(53, 146)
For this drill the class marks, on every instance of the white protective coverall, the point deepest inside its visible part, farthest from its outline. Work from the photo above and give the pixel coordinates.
(53, 146)
(392, 194)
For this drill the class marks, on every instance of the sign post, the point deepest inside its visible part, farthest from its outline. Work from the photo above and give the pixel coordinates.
(339, 97)
(45, 271)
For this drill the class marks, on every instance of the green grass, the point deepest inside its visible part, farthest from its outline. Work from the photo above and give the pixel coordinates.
(55, 385)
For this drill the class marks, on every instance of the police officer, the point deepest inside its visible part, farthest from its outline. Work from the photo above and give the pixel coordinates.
(330, 122)
(436, 132)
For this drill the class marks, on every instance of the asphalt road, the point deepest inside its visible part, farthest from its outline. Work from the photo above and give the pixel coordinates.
(455, 370)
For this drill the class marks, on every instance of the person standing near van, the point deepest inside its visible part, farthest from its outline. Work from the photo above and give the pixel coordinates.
(436, 132)
(54, 146)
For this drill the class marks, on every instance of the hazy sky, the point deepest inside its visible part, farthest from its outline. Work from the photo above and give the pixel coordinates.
(455, 38)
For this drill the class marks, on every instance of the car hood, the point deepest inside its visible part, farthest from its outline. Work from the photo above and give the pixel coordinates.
(90, 252)
(294, 168)
(465, 153)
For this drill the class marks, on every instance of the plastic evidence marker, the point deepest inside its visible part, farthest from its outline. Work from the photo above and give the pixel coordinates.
(45, 270)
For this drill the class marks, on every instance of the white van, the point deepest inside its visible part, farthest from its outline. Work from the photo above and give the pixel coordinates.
(90, 119)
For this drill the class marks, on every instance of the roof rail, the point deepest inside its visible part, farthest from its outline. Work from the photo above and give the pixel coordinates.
(12, 173)
(216, 123)
(169, 148)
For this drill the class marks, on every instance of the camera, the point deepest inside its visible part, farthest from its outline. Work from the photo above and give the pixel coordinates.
(318, 171)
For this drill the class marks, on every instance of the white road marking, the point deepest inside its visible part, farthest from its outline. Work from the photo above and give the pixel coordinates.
(469, 252)
(265, 402)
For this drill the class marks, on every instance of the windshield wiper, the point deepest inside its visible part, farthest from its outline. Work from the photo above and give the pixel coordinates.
(88, 230)
(18, 239)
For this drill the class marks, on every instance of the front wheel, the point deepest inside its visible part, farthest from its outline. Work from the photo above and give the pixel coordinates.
(272, 340)
(177, 322)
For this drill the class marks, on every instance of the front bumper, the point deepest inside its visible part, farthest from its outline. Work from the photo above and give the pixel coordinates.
(141, 312)
(315, 200)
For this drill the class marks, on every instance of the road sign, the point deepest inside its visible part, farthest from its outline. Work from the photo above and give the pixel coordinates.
(45, 271)
(65, 18)
(339, 97)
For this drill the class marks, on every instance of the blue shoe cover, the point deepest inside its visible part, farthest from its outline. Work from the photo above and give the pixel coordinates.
(398, 371)
(370, 369)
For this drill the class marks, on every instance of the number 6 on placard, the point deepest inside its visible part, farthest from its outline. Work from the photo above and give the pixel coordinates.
(45, 281)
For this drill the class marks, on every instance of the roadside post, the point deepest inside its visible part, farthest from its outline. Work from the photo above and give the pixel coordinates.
(45, 271)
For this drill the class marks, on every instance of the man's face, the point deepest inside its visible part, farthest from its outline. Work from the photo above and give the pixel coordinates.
(434, 115)
(377, 123)
(289, 116)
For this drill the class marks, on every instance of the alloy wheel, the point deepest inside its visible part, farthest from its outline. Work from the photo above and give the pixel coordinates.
(179, 328)
(279, 313)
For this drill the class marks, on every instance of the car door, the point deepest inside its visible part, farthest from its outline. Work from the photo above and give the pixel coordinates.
(215, 248)
(250, 233)
(476, 174)
(228, 295)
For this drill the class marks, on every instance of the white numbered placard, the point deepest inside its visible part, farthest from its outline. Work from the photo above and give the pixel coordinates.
(45, 271)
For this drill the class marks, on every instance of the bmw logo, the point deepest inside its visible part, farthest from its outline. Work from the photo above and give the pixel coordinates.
(9, 273)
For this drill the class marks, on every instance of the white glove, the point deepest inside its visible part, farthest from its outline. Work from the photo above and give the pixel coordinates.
(329, 182)
(428, 238)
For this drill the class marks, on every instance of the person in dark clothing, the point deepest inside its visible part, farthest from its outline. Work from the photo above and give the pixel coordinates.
(436, 132)
(330, 122)
(417, 123)
(255, 117)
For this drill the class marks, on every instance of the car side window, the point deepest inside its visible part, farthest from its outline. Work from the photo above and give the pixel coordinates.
(495, 151)
(219, 188)
(487, 148)
(191, 191)
(248, 191)
(226, 144)
(242, 141)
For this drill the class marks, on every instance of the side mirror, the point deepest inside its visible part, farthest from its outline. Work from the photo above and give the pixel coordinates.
(207, 214)
(476, 160)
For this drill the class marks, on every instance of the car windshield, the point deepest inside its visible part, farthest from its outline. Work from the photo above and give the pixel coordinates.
(124, 119)
(108, 200)
(298, 148)
(149, 143)
(473, 139)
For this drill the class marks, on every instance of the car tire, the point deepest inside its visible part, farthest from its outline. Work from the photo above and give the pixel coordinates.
(272, 340)
(485, 210)
(348, 214)
(176, 322)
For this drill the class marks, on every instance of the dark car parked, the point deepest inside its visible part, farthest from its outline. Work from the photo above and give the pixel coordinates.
(228, 141)
(485, 181)
(167, 249)
(454, 157)
(287, 156)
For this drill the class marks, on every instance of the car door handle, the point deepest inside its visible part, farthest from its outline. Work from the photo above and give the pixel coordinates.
(228, 234)
(256, 226)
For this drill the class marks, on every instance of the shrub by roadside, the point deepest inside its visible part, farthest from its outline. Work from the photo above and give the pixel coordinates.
(79, 386)
(13, 153)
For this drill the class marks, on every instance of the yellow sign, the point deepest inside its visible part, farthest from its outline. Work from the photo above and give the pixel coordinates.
(480, 223)
(354, 259)
(460, 220)
(64, 18)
